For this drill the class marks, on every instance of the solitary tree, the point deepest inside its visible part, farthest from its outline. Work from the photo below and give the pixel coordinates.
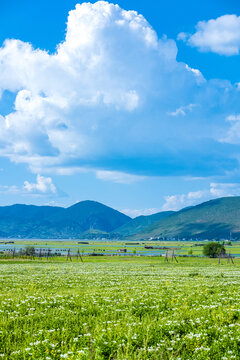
(213, 249)
(30, 251)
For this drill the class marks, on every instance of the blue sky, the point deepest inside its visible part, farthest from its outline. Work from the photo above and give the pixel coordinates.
(141, 113)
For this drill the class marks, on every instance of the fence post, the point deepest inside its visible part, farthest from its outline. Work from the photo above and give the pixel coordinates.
(69, 255)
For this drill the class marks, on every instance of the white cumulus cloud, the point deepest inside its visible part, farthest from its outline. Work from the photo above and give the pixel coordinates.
(103, 98)
(43, 185)
(77, 102)
(221, 35)
(62, 99)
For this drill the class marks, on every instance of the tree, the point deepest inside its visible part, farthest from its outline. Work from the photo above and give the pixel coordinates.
(213, 249)
(30, 251)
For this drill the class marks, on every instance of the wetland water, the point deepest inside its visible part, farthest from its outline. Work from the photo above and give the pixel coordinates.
(62, 246)
(109, 247)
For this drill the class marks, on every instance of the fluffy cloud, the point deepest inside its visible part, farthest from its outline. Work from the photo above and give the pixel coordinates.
(43, 185)
(103, 99)
(216, 190)
(65, 101)
(221, 35)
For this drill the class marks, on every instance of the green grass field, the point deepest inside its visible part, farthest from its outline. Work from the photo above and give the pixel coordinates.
(119, 308)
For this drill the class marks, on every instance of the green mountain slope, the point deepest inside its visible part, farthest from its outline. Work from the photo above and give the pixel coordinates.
(55, 222)
(215, 218)
(138, 224)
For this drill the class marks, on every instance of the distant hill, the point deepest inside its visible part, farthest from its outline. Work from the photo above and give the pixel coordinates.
(211, 219)
(31, 221)
(139, 223)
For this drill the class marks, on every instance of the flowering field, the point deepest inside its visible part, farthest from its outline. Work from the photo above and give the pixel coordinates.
(119, 308)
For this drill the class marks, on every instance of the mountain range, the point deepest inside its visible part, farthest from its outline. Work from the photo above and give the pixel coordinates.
(212, 219)
(29, 221)
(90, 219)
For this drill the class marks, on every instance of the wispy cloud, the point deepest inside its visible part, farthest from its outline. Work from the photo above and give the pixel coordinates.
(12, 189)
(215, 190)
(137, 212)
(118, 177)
(104, 175)
(232, 136)
(182, 110)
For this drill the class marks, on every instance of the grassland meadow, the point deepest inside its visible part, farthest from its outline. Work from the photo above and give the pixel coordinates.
(119, 308)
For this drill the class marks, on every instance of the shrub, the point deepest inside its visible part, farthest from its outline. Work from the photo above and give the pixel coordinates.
(29, 251)
(213, 249)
